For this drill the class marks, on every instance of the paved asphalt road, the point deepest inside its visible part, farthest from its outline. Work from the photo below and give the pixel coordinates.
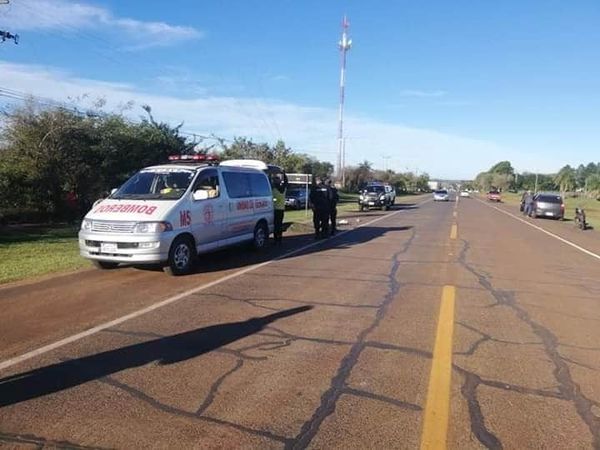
(441, 323)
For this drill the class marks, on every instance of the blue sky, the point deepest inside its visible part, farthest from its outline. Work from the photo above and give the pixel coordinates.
(443, 87)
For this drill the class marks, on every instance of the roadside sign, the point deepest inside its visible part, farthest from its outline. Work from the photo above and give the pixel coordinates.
(301, 179)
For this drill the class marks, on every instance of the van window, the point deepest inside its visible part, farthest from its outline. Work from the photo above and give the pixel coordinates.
(208, 180)
(156, 184)
(237, 184)
(260, 185)
(556, 199)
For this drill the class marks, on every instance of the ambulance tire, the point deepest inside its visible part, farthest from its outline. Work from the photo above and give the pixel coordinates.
(182, 256)
(105, 265)
(261, 236)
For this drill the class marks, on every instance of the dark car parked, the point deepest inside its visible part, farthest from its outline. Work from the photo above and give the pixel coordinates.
(548, 205)
(296, 198)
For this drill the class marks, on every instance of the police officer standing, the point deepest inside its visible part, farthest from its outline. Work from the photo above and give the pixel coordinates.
(320, 203)
(280, 184)
(334, 198)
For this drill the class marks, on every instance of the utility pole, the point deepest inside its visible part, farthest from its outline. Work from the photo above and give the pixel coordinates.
(385, 162)
(343, 162)
(344, 45)
(536, 183)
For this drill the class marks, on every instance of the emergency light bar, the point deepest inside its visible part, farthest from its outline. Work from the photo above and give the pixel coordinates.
(194, 158)
(269, 169)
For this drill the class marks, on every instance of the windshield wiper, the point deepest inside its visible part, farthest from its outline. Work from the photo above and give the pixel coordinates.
(121, 196)
(137, 196)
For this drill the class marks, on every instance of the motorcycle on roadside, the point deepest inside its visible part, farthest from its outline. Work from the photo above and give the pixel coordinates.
(580, 221)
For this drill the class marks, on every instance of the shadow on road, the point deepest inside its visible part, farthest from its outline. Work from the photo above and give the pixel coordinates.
(232, 258)
(166, 350)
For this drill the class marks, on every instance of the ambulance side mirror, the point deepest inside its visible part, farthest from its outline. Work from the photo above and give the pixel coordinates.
(113, 190)
(200, 194)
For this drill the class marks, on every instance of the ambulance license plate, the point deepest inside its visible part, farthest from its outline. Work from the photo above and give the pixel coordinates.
(108, 247)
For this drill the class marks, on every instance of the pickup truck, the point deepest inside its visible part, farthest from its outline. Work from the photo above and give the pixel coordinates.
(376, 195)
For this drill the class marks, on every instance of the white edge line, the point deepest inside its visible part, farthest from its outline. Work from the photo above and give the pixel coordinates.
(91, 331)
(555, 236)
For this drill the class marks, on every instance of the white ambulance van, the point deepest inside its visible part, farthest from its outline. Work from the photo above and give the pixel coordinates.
(169, 214)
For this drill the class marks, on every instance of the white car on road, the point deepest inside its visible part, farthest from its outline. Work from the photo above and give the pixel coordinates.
(441, 195)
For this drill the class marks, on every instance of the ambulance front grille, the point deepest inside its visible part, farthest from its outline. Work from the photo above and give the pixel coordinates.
(101, 226)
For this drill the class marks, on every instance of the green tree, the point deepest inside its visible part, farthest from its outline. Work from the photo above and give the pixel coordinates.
(50, 152)
(503, 167)
(502, 181)
(592, 185)
(566, 179)
(422, 182)
(358, 176)
(580, 176)
(484, 181)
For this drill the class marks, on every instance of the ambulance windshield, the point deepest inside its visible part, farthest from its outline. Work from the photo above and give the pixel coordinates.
(156, 184)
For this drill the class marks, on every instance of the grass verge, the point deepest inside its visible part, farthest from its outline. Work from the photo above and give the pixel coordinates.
(32, 251)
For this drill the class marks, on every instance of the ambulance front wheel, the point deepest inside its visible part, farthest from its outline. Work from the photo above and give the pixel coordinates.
(182, 256)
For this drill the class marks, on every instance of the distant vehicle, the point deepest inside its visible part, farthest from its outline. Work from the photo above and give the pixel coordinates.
(548, 205)
(441, 195)
(376, 195)
(494, 196)
(465, 194)
(296, 198)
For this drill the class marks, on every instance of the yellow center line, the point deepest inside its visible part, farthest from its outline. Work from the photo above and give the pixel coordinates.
(435, 419)
(454, 231)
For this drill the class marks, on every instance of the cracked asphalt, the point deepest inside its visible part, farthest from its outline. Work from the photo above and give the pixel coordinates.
(328, 347)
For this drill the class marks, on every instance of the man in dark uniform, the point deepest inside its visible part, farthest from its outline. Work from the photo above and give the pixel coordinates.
(334, 198)
(320, 203)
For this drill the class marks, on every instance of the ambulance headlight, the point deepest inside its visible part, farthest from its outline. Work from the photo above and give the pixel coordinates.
(152, 227)
(86, 225)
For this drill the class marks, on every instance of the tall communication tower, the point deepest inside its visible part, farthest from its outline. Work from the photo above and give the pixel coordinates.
(344, 45)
